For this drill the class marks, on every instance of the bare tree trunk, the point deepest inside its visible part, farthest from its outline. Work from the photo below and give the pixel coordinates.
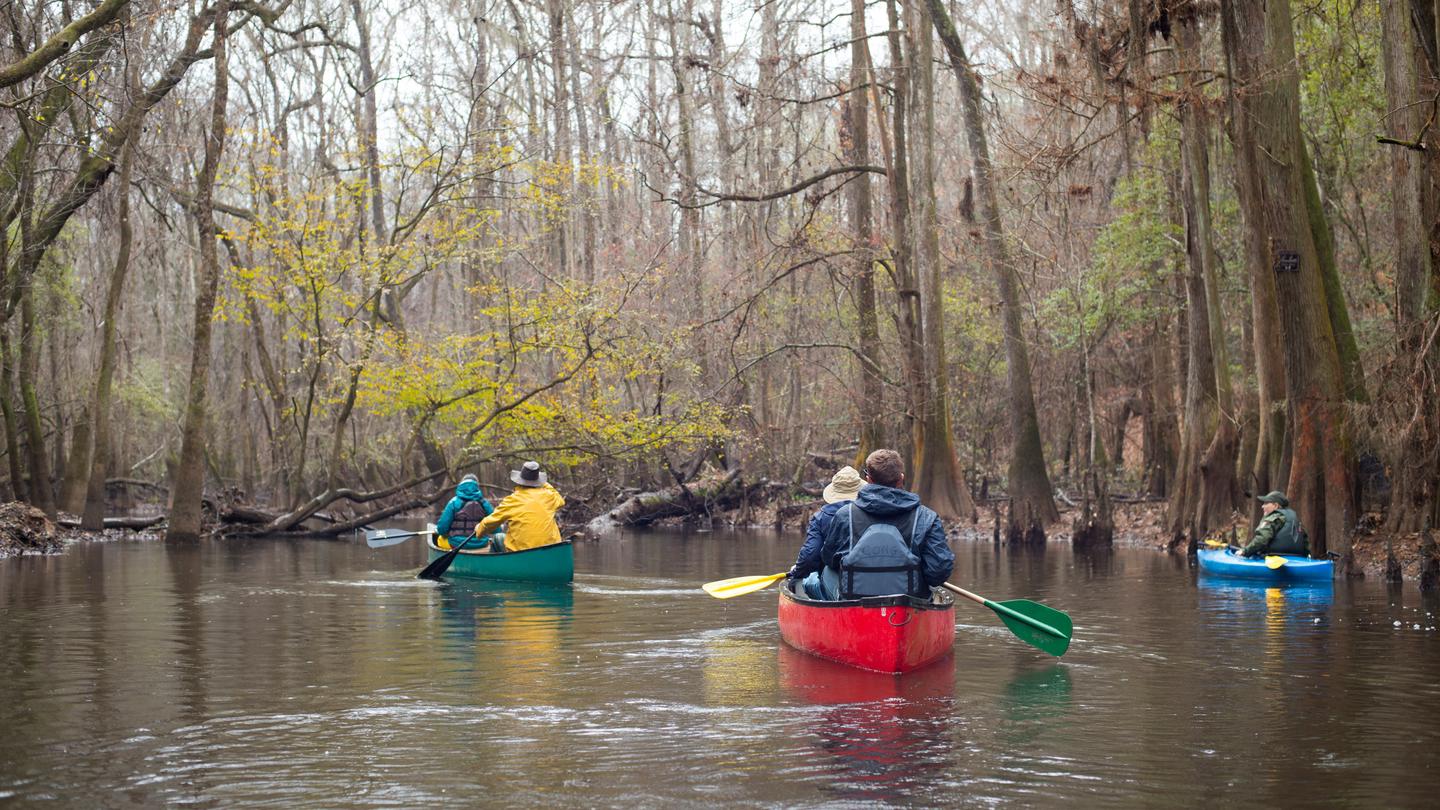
(1032, 500)
(369, 120)
(1260, 44)
(938, 479)
(1415, 464)
(585, 187)
(724, 140)
(1207, 462)
(42, 487)
(908, 292)
(691, 260)
(556, 10)
(93, 518)
(872, 390)
(1266, 467)
(1161, 440)
(77, 461)
(188, 488)
(18, 488)
(1346, 348)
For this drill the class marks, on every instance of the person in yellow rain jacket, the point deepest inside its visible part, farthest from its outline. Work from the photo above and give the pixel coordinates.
(530, 511)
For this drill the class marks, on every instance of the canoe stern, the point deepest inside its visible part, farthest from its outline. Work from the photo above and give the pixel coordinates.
(554, 563)
(884, 634)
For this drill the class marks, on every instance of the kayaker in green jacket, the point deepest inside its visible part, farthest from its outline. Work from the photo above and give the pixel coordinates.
(1279, 531)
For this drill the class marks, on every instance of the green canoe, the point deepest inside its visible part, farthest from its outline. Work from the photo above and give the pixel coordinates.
(552, 563)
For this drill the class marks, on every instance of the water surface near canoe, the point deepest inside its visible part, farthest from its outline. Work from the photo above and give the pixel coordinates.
(288, 674)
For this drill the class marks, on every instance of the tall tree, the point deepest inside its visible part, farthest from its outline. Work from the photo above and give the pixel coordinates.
(1259, 42)
(872, 388)
(1415, 466)
(93, 517)
(188, 488)
(938, 479)
(1032, 504)
(1206, 488)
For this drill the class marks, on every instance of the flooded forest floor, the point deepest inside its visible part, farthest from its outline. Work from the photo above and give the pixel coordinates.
(1138, 524)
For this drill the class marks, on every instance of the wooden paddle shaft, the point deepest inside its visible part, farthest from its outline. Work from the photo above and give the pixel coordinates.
(976, 598)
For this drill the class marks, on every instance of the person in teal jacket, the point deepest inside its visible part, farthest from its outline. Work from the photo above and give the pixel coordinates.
(463, 512)
(1279, 531)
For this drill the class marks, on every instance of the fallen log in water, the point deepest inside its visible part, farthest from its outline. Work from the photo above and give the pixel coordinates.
(698, 498)
(136, 523)
(242, 520)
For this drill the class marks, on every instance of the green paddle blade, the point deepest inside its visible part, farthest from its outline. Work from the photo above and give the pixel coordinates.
(739, 586)
(1042, 627)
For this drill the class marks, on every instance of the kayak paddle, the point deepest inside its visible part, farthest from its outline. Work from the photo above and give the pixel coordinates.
(1042, 627)
(1271, 561)
(380, 538)
(739, 586)
(436, 570)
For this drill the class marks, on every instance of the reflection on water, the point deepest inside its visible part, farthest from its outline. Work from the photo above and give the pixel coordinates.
(324, 674)
(1239, 602)
(1038, 694)
(882, 737)
(1034, 704)
(738, 670)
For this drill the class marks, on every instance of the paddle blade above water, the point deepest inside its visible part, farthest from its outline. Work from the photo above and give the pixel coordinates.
(1274, 562)
(739, 586)
(437, 569)
(380, 538)
(1040, 626)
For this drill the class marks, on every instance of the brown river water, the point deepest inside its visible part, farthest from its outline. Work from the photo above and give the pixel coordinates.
(323, 674)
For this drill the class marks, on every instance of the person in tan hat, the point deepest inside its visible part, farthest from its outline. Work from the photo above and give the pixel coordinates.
(842, 489)
(529, 511)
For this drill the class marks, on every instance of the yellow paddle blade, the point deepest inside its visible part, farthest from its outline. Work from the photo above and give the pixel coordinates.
(739, 586)
(1215, 543)
(1274, 562)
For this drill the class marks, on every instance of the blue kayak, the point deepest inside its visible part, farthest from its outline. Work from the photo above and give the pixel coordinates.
(1227, 563)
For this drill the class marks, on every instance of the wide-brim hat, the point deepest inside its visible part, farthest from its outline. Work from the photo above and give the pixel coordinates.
(843, 486)
(1275, 497)
(529, 475)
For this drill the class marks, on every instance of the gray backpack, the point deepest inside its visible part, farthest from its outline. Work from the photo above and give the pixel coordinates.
(880, 560)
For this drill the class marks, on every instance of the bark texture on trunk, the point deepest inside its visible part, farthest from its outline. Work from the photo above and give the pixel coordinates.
(93, 511)
(937, 478)
(1415, 457)
(1032, 499)
(872, 389)
(1260, 44)
(188, 488)
(1207, 489)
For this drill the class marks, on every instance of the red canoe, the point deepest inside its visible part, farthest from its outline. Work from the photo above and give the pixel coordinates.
(880, 633)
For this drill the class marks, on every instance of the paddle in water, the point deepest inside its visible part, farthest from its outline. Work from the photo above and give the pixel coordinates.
(436, 570)
(739, 586)
(1040, 626)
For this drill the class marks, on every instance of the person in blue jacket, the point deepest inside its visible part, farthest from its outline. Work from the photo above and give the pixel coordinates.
(841, 490)
(462, 513)
(890, 513)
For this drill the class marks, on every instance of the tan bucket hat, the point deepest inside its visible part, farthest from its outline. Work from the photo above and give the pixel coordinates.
(843, 486)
